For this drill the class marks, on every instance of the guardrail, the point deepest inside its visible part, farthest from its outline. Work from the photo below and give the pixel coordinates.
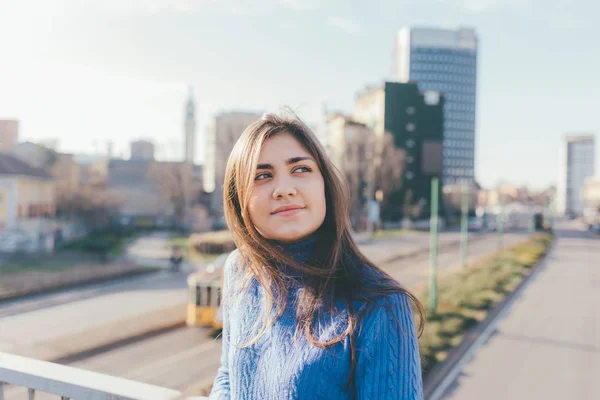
(30, 375)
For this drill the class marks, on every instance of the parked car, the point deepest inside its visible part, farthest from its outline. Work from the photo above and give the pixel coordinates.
(475, 224)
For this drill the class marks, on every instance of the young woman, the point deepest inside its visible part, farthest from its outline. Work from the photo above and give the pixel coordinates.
(305, 314)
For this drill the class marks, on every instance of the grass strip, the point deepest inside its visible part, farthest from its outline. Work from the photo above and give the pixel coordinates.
(464, 298)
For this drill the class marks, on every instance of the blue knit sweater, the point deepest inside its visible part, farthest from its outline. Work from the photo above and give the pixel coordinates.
(281, 367)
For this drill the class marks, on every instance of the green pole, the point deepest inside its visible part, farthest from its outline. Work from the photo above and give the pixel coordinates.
(531, 218)
(550, 213)
(500, 225)
(464, 226)
(433, 245)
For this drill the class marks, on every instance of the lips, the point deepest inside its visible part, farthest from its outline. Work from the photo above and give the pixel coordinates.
(288, 209)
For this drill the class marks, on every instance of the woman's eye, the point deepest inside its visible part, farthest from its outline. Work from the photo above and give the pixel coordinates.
(261, 176)
(302, 169)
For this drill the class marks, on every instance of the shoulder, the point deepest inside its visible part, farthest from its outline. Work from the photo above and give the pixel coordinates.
(233, 260)
(233, 274)
(232, 267)
(392, 309)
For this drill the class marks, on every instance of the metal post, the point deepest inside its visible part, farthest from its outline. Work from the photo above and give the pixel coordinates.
(464, 226)
(370, 189)
(550, 213)
(531, 217)
(500, 225)
(433, 245)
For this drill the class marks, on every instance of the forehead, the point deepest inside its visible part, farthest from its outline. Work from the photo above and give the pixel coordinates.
(281, 146)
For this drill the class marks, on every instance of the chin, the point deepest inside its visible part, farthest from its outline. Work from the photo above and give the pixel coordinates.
(292, 236)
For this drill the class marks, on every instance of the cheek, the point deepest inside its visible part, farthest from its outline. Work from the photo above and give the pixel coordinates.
(318, 197)
(257, 209)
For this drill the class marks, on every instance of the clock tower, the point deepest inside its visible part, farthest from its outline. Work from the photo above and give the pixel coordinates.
(190, 128)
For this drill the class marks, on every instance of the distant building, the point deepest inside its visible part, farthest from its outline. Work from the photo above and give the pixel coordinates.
(591, 199)
(190, 129)
(142, 150)
(9, 134)
(224, 131)
(151, 193)
(27, 201)
(63, 167)
(351, 147)
(445, 60)
(93, 171)
(577, 162)
(139, 198)
(66, 172)
(34, 154)
(408, 127)
(452, 196)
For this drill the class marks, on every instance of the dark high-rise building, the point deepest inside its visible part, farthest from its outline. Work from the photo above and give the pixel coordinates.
(415, 120)
(408, 125)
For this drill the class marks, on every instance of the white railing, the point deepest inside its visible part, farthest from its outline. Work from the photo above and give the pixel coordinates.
(30, 375)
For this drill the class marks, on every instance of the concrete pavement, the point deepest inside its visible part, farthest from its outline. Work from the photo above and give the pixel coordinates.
(546, 345)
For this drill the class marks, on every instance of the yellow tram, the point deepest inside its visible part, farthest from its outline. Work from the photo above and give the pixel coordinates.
(204, 301)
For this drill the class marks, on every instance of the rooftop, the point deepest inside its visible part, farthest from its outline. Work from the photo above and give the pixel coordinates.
(10, 165)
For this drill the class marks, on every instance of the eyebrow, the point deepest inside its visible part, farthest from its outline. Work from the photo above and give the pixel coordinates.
(289, 161)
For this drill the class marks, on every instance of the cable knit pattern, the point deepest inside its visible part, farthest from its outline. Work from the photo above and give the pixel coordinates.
(278, 367)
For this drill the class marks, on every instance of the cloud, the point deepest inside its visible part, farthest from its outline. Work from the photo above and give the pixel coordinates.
(345, 24)
(179, 6)
(480, 6)
(152, 6)
(301, 5)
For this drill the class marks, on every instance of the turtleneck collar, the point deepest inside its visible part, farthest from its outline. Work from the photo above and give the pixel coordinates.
(303, 250)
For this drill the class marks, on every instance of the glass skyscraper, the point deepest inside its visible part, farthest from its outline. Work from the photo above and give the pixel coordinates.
(446, 61)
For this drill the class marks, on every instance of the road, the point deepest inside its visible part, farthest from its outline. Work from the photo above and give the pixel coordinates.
(99, 305)
(187, 359)
(71, 311)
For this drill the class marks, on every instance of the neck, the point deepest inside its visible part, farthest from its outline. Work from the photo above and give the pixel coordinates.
(303, 250)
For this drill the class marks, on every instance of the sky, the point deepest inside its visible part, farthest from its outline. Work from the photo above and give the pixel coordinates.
(92, 72)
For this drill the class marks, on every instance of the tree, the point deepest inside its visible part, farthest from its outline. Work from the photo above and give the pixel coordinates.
(389, 176)
(176, 182)
(95, 207)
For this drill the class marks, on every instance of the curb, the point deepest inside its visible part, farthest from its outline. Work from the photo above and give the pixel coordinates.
(438, 379)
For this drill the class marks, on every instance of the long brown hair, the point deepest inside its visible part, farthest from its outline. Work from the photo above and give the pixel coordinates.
(338, 272)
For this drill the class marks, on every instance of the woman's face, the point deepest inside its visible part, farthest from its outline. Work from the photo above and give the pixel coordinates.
(287, 202)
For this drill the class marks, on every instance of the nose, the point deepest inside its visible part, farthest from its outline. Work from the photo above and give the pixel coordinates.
(284, 188)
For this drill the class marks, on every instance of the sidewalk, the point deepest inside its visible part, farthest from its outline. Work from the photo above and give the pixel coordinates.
(547, 344)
